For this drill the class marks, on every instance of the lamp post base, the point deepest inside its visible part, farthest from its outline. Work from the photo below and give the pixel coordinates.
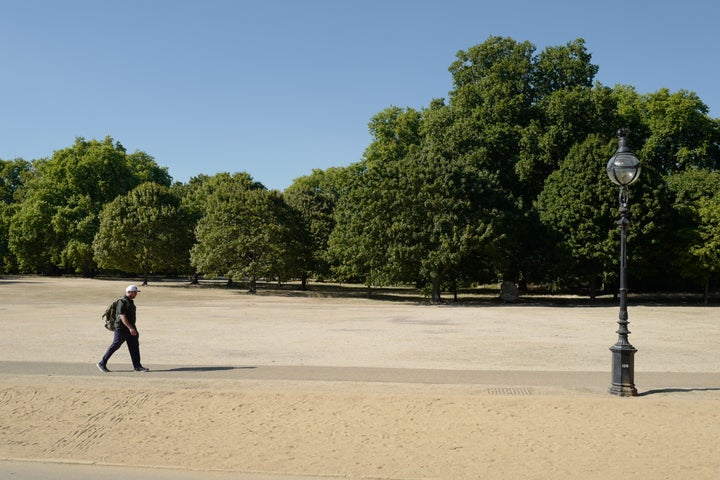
(623, 371)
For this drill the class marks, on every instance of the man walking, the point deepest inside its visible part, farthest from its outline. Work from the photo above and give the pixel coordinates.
(125, 331)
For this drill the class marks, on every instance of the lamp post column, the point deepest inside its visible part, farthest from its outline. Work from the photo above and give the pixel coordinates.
(623, 353)
(623, 169)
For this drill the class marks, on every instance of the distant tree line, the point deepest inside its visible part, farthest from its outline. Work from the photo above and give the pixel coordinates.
(503, 180)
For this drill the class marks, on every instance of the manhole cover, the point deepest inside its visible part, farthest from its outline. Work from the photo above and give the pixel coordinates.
(509, 391)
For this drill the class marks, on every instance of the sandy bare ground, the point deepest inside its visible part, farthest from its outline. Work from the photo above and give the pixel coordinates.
(354, 388)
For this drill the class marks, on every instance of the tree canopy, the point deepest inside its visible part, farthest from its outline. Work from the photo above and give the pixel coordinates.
(503, 180)
(249, 232)
(146, 231)
(54, 225)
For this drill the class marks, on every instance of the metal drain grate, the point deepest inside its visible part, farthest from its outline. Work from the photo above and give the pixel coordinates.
(510, 391)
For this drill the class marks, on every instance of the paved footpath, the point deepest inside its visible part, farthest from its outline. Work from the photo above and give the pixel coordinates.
(647, 382)
(62, 471)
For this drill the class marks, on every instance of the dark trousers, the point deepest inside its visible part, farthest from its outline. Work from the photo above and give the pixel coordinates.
(133, 344)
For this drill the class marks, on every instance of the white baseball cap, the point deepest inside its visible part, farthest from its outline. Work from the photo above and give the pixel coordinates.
(132, 288)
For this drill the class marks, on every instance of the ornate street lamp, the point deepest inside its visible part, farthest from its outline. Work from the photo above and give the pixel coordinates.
(623, 169)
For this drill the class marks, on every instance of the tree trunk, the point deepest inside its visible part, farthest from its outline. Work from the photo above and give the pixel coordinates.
(436, 289)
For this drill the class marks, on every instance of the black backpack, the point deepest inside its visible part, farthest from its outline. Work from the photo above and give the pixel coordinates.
(109, 315)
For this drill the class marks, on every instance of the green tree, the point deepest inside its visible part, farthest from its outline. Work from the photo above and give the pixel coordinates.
(494, 81)
(13, 174)
(417, 209)
(247, 233)
(457, 189)
(195, 193)
(696, 198)
(565, 67)
(354, 252)
(30, 240)
(680, 134)
(671, 132)
(576, 205)
(54, 228)
(368, 196)
(579, 203)
(511, 106)
(449, 220)
(314, 197)
(490, 103)
(146, 231)
(563, 118)
(707, 251)
(145, 169)
(200, 189)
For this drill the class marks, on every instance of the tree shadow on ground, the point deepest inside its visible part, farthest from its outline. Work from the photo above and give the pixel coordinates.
(486, 295)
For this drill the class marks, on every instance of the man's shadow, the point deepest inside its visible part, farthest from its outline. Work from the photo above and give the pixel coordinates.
(203, 369)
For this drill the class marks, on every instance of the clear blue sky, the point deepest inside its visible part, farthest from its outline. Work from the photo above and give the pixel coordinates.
(277, 88)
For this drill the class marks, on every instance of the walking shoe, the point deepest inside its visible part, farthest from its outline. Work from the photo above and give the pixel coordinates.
(101, 366)
(142, 369)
